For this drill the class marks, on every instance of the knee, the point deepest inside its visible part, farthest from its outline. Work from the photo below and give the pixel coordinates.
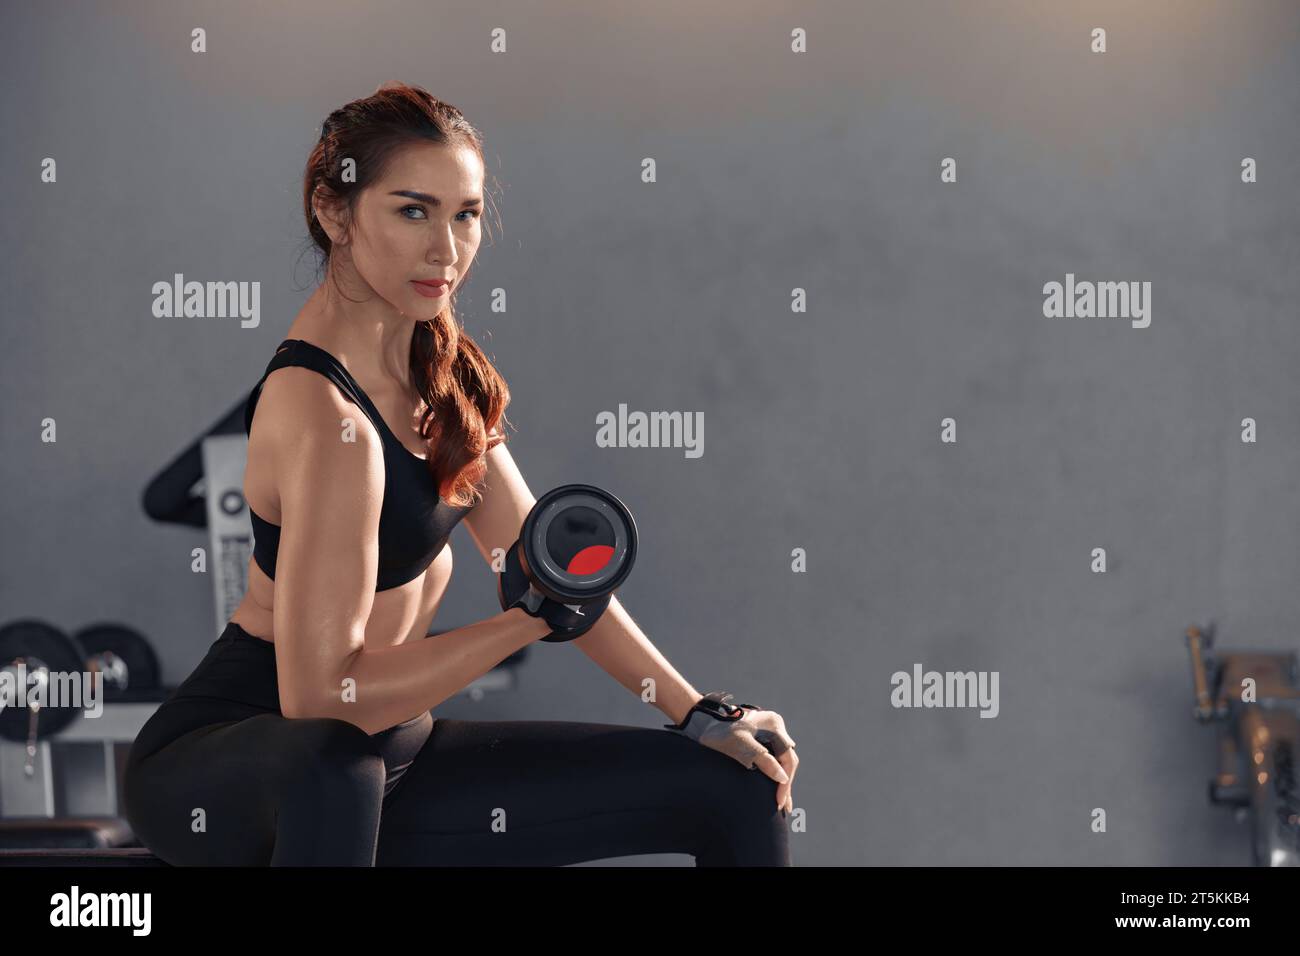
(741, 822)
(726, 790)
(752, 793)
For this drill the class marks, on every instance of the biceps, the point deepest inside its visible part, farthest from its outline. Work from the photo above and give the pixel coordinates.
(496, 520)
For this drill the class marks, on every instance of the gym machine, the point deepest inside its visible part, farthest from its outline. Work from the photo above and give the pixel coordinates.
(1253, 700)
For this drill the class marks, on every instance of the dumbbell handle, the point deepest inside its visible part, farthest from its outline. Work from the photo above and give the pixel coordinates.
(532, 600)
(566, 624)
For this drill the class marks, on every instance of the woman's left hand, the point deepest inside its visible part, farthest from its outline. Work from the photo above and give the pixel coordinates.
(772, 735)
(758, 739)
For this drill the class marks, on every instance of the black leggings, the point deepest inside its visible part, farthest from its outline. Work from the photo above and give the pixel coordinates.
(219, 777)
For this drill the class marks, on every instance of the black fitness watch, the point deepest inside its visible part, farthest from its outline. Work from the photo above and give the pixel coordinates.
(716, 704)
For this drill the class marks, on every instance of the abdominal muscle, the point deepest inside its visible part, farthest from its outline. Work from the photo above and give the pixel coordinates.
(396, 615)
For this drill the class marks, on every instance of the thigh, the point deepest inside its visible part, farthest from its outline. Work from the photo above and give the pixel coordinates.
(557, 792)
(211, 796)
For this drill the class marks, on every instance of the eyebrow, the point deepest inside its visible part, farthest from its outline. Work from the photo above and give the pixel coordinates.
(431, 200)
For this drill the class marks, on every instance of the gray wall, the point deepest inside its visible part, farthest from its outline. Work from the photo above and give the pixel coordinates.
(775, 170)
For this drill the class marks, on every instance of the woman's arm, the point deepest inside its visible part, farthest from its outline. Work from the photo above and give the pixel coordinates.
(614, 642)
(393, 684)
(626, 654)
(330, 484)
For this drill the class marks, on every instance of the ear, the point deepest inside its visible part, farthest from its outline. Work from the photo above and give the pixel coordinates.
(327, 210)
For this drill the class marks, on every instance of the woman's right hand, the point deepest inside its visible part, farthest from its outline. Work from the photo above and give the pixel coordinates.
(565, 621)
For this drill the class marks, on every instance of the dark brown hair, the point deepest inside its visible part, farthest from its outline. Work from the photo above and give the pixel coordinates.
(465, 394)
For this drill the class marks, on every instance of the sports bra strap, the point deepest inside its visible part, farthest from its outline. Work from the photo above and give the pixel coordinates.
(305, 355)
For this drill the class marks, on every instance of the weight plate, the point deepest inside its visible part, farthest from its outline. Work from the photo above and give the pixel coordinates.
(40, 649)
(578, 543)
(122, 654)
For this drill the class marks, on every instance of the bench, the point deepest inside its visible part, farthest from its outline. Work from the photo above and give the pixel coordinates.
(105, 856)
(86, 841)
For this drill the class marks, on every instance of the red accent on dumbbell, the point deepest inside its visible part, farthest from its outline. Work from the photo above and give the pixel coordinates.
(590, 559)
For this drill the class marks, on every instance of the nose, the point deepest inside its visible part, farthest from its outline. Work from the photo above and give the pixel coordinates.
(442, 246)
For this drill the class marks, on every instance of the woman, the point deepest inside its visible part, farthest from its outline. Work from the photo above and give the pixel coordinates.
(304, 736)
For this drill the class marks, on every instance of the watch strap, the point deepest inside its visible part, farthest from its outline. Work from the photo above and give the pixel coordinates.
(716, 704)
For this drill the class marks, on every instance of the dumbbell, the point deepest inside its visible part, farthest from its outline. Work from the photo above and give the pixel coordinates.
(576, 547)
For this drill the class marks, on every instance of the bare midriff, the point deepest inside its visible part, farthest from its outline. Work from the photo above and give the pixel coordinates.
(396, 615)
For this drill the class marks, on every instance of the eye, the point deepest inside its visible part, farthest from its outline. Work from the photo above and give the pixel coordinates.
(419, 209)
(473, 212)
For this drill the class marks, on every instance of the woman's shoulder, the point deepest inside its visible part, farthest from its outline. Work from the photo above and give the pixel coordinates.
(298, 404)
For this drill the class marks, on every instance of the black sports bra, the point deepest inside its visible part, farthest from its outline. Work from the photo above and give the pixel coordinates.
(414, 521)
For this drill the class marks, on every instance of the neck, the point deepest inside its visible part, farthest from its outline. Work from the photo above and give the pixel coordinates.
(370, 337)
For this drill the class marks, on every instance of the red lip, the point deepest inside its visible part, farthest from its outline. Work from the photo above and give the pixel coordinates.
(431, 288)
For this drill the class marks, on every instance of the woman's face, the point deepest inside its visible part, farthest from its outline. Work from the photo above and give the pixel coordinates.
(420, 221)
